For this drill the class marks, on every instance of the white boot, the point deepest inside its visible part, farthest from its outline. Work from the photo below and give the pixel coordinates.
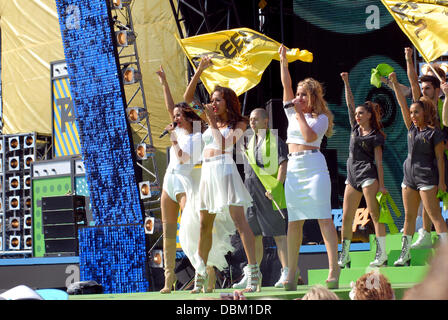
(243, 282)
(344, 257)
(424, 240)
(283, 277)
(405, 255)
(381, 255)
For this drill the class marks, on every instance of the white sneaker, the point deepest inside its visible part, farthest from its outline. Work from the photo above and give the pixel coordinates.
(243, 282)
(424, 240)
(283, 277)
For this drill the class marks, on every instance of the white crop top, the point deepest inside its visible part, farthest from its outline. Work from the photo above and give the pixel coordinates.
(294, 135)
(210, 143)
(188, 143)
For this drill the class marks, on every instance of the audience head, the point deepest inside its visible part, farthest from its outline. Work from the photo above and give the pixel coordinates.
(372, 286)
(319, 292)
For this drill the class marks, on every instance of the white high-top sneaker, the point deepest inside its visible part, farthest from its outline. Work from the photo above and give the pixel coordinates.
(283, 277)
(424, 240)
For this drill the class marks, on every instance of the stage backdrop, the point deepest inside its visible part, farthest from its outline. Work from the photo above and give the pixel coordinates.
(31, 40)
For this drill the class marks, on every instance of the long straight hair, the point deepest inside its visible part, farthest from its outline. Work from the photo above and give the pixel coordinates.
(315, 92)
(375, 120)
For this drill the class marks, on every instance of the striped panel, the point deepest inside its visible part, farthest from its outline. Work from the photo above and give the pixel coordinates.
(65, 127)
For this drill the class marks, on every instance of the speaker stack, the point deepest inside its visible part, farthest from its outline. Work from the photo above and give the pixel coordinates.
(17, 153)
(62, 217)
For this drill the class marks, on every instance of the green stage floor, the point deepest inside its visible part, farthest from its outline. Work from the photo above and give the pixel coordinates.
(401, 278)
(266, 293)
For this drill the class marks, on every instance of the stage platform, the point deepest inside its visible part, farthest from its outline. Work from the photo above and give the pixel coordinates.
(268, 293)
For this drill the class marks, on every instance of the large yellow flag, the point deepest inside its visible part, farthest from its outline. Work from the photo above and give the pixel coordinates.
(425, 22)
(239, 57)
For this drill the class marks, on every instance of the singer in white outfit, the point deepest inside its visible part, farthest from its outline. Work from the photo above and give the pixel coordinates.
(224, 198)
(181, 180)
(307, 185)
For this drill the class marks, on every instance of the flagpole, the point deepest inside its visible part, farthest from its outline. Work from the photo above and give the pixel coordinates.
(278, 207)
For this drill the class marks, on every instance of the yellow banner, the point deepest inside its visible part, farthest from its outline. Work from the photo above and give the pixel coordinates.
(425, 22)
(239, 57)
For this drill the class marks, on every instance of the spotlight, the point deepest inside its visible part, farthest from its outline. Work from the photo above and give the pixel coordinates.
(28, 203)
(27, 182)
(14, 242)
(1, 146)
(14, 144)
(28, 142)
(149, 225)
(28, 160)
(14, 224)
(27, 221)
(118, 4)
(145, 189)
(14, 183)
(144, 151)
(156, 259)
(131, 75)
(14, 163)
(14, 203)
(27, 242)
(125, 38)
(136, 114)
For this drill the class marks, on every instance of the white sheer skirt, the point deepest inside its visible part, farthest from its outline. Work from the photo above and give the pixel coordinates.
(189, 230)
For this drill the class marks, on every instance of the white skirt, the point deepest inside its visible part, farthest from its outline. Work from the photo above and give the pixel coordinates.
(189, 230)
(221, 186)
(308, 187)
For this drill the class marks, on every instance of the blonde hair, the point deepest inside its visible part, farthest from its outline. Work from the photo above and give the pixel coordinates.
(315, 93)
(319, 292)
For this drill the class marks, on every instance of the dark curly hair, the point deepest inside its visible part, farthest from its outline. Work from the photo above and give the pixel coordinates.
(233, 105)
(189, 114)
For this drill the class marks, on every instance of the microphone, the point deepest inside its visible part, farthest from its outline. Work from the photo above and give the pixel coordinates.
(166, 131)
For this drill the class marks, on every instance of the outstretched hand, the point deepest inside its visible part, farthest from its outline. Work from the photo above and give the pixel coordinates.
(161, 74)
(282, 53)
(408, 53)
(393, 77)
(344, 76)
(204, 63)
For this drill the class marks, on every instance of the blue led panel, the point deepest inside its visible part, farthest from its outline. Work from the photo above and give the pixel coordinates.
(98, 94)
(112, 256)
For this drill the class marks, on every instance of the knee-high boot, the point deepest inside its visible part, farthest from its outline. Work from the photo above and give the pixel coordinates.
(169, 254)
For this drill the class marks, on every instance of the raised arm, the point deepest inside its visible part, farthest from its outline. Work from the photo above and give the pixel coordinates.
(401, 100)
(444, 88)
(288, 93)
(169, 102)
(350, 101)
(191, 88)
(412, 74)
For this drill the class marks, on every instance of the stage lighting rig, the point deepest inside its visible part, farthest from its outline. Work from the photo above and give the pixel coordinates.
(131, 75)
(119, 4)
(125, 38)
(136, 114)
(144, 151)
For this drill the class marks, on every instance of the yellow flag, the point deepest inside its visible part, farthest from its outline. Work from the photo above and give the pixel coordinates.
(239, 57)
(425, 22)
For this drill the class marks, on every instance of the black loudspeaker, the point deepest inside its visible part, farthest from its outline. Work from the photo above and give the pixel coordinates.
(62, 216)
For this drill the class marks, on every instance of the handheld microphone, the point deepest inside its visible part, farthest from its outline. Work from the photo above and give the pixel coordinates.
(165, 132)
